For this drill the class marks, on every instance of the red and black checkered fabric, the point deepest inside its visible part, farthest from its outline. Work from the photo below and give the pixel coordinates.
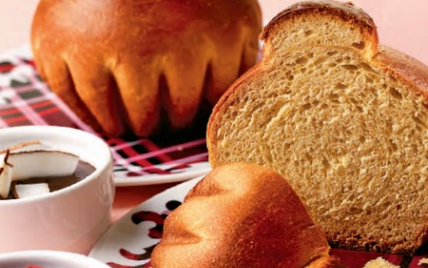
(26, 100)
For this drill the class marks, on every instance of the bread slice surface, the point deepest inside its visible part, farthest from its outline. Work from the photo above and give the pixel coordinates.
(346, 124)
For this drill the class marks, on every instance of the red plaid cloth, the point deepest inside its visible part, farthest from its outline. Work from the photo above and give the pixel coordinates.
(26, 100)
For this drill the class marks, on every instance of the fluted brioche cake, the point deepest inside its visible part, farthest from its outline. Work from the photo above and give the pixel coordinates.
(242, 215)
(343, 118)
(141, 65)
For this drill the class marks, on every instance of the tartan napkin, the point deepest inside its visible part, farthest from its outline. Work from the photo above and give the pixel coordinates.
(25, 99)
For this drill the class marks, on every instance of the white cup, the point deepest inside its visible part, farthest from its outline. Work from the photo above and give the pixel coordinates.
(48, 258)
(71, 219)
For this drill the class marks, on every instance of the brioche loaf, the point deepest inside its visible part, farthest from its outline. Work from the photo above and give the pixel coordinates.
(343, 118)
(242, 215)
(133, 66)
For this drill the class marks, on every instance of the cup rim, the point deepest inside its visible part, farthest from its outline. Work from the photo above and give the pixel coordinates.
(66, 131)
(55, 254)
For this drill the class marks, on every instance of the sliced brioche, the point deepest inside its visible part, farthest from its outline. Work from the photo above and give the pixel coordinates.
(242, 215)
(344, 121)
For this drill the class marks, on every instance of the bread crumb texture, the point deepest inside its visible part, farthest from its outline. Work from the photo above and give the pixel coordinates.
(348, 132)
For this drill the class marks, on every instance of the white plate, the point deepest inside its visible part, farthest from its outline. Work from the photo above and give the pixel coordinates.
(130, 241)
(48, 259)
(190, 172)
(124, 244)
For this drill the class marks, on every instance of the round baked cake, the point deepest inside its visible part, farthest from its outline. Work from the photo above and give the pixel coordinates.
(135, 66)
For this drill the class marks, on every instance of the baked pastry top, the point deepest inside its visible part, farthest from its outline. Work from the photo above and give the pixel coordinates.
(242, 215)
(133, 66)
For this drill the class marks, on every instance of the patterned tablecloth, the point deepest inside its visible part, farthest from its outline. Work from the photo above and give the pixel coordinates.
(26, 100)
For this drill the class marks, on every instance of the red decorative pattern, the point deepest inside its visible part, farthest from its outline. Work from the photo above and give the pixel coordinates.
(155, 232)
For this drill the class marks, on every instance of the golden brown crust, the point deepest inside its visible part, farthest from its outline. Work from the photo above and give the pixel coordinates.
(326, 262)
(356, 244)
(405, 68)
(225, 101)
(122, 64)
(240, 215)
(346, 12)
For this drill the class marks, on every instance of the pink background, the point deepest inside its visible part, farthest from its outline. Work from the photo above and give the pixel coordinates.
(401, 24)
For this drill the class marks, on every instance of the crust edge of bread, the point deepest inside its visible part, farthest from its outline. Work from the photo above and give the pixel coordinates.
(346, 12)
(406, 69)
